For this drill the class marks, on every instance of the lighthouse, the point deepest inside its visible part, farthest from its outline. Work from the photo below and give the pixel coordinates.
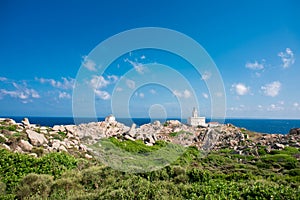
(195, 120)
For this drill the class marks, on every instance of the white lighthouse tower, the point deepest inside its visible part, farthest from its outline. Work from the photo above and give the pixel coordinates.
(195, 120)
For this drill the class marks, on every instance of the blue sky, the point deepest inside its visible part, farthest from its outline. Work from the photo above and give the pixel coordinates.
(254, 44)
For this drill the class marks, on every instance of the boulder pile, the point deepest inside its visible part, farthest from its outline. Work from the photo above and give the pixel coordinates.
(36, 140)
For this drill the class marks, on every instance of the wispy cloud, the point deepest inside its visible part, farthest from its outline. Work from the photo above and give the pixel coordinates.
(98, 82)
(205, 95)
(206, 75)
(152, 91)
(89, 64)
(139, 67)
(119, 89)
(275, 107)
(254, 65)
(102, 94)
(271, 89)
(287, 58)
(64, 95)
(21, 92)
(65, 83)
(240, 89)
(3, 79)
(130, 83)
(184, 94)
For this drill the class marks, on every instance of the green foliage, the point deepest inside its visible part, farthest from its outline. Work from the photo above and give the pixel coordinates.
(194, 175)
(281, 160)
(10, 127)
(175, 134)
(34, 185)
(137, 146)
(14, 166)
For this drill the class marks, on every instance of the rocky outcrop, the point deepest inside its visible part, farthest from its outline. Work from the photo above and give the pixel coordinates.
(71, 138)
(35, 138)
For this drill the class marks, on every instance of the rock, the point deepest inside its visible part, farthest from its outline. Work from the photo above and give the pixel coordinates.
(25, 122)
(132, 130)
(70, 128)
(55, 144)
(18, 150)
(25, 145)
(173, 123)
(33, 155)
(83, 147)
(3, 137)
(43, 130)
(58, 128)
(233, 143)
(8, 121)
(88, 156)
(149, 139)
(278, 146)
(156, 123)
(127, 137)
(5, 146)
(110, 119)
(35, 138)
(294, 131)
(62, 148)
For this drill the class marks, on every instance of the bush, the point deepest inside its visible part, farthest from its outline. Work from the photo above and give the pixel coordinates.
(38, 185)
(284, 160)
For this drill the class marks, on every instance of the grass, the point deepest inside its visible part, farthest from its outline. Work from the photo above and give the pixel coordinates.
(132, 170)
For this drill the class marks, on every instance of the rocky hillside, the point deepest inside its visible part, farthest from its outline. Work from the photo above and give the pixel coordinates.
(37, 140)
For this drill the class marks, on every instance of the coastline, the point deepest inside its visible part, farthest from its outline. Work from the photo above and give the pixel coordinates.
(272, 126)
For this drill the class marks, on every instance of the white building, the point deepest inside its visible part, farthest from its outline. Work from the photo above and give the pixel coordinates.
(195, 120)
(110, 119)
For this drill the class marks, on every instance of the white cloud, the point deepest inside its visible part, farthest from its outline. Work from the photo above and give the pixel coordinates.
(102, 94)
(142, 95)
(130, 83)
(238, 108)
(139, 67)
(152, 91)
(3, 79)
(287, 58)
(98, 82)
(21, 92)
(113, 78)
(64, 95)
(185, 94)
(206, 75)
(177, 93)
(89, 64)
(274, 107)
(254, 66)
(241, 89)
(272, 89)
(205, 95)
(119, 89)
(66, 83)
(296, 104)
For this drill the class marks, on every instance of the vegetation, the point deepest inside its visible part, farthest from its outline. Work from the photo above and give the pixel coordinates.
(217, 175)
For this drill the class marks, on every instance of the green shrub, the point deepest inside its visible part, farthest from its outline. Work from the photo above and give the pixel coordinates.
(286, 161)
(38, 185)
(2, 188)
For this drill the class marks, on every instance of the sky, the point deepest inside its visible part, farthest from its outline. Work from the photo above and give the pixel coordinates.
(255, 46)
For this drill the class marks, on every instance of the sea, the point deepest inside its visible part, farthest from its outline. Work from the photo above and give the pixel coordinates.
(271, 126)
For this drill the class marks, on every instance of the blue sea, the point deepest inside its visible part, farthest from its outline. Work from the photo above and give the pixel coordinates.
(281, 126)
